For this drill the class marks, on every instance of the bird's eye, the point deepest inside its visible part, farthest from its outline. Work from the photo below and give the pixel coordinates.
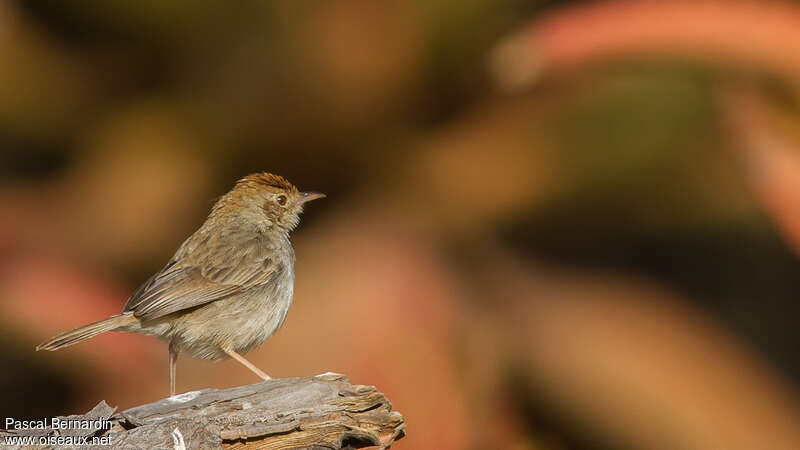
(281, 199)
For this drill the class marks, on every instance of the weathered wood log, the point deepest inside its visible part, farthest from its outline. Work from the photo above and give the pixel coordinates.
(324, 411)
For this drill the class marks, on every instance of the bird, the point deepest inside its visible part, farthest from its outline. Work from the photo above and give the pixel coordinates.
(227, 288)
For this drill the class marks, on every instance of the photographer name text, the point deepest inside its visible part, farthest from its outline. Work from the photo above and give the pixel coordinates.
(57, 423)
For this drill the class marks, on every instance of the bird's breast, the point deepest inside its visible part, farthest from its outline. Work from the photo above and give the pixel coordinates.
(242, 321)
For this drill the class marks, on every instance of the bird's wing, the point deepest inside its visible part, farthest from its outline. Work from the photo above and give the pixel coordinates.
(201, 274)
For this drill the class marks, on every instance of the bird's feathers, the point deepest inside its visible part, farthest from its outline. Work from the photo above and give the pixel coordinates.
(209, 266)
(267, 180)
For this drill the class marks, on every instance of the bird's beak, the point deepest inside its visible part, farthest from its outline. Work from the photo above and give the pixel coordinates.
(308, 196)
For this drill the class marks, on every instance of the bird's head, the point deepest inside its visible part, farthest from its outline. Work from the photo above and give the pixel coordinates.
(267, 198)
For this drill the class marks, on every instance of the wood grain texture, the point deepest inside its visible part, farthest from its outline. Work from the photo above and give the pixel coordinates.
(324, 411)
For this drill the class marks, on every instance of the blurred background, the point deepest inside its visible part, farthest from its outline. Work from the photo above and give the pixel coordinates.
(549, 224)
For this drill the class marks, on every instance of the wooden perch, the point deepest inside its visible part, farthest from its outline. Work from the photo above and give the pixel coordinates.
(324, 411)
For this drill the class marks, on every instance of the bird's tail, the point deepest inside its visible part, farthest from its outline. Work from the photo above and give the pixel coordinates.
(88, 331)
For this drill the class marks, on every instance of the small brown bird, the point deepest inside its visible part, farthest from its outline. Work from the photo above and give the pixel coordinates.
(229, 286)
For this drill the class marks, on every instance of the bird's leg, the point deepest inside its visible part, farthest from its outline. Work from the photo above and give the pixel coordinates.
(246, 363)
(173, 365)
